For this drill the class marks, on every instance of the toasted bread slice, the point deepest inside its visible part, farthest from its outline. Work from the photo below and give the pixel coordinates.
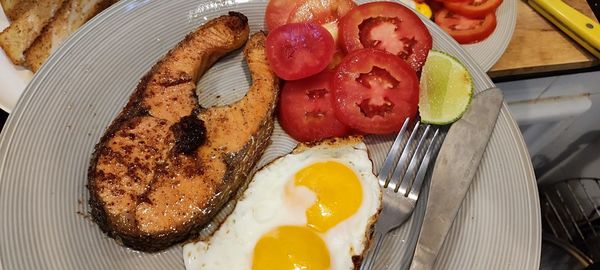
(15, 8)
(8, 6)
(22, 32)
(72, 15)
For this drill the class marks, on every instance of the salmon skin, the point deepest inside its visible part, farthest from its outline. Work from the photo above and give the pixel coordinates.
(166, 166)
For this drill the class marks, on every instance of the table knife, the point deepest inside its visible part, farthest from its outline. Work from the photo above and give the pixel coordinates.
(581, 28)
(454, 169)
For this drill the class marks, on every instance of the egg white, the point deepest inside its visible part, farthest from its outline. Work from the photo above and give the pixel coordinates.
(265, 206)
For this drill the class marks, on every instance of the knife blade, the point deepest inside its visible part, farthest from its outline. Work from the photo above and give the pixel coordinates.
(453, 172)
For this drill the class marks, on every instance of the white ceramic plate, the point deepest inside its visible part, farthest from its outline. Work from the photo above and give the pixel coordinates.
(47, 142)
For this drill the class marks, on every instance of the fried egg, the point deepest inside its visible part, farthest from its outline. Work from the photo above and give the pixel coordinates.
(311, 209)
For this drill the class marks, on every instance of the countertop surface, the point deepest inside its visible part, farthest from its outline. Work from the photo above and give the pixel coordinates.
(537, 46)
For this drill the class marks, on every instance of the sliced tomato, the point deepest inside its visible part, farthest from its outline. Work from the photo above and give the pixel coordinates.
(320, 11)
(473, 8)
(435, 5)
(374, 91)
(452, 1)
(336, 60)
(387, 26)
(299, 50)
(306, 111)
(466, 30)
(278, 11)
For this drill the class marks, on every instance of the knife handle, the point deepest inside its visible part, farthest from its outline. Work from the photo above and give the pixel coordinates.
(581, 25)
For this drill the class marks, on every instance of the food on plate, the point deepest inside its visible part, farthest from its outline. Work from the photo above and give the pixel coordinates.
(374, 91)
(370, 91)
(14, 8)
(446, 89)
(299, 50)
(423, 8)
(280, 12)
(306, 111)
(387, 26)
(38, 28)
(319, 11)
(21, 33)
(467, 21)
(165, 166)
(466, 30)
(60, 27)
(472, 8)
(311, 209)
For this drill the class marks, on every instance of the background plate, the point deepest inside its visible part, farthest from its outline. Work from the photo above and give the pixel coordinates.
(47, 142)
(487, 52)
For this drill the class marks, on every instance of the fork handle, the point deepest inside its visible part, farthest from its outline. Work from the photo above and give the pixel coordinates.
(370, 259)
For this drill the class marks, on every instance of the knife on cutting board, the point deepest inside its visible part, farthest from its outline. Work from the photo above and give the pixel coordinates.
(579, 27)
(454, 169)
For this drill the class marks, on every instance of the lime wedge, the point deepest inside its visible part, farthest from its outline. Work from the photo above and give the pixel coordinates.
(446, 89)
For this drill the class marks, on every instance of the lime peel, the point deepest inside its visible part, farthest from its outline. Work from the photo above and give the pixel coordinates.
(446, 89)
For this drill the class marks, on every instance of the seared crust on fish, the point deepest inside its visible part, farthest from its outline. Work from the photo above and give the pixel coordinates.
(166, 166)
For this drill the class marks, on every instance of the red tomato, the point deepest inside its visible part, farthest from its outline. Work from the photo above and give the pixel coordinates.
(435, 5)
(374, 91)
(299, 50)
(473, 8)
(336, 60)
(278, 11)
(452, 1)
(320, 11)
(305, 109)
(466, 30)
(387, 26)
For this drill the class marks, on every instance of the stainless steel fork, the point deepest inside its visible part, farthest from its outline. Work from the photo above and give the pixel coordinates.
(401, 177)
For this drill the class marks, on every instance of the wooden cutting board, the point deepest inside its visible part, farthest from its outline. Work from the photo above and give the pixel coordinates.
(539, 46)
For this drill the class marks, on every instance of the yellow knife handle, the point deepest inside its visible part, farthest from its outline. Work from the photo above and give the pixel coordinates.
(584, 27)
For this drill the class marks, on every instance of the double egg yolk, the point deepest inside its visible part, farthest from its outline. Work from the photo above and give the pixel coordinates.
(338, 196)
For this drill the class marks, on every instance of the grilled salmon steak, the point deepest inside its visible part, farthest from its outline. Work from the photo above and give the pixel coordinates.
(165, 166)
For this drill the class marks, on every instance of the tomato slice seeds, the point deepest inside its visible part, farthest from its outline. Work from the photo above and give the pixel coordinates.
(466, 30)
(374, 91)
(386, 26)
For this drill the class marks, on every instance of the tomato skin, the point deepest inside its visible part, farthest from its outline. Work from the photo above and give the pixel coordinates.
(388, 26)
(320, 11)
(452, 1)
(299, 50)
(306, 110)
(473, 8)
(466, 30)
(374, 91)
(278, 11)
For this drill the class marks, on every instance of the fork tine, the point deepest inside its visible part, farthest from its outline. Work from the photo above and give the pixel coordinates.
(392, 156)
(419, 179)
(415, 161)
(399, 168)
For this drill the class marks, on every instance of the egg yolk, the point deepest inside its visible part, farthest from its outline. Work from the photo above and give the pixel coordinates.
(338, 192)
(291, 248)
(423, 9)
